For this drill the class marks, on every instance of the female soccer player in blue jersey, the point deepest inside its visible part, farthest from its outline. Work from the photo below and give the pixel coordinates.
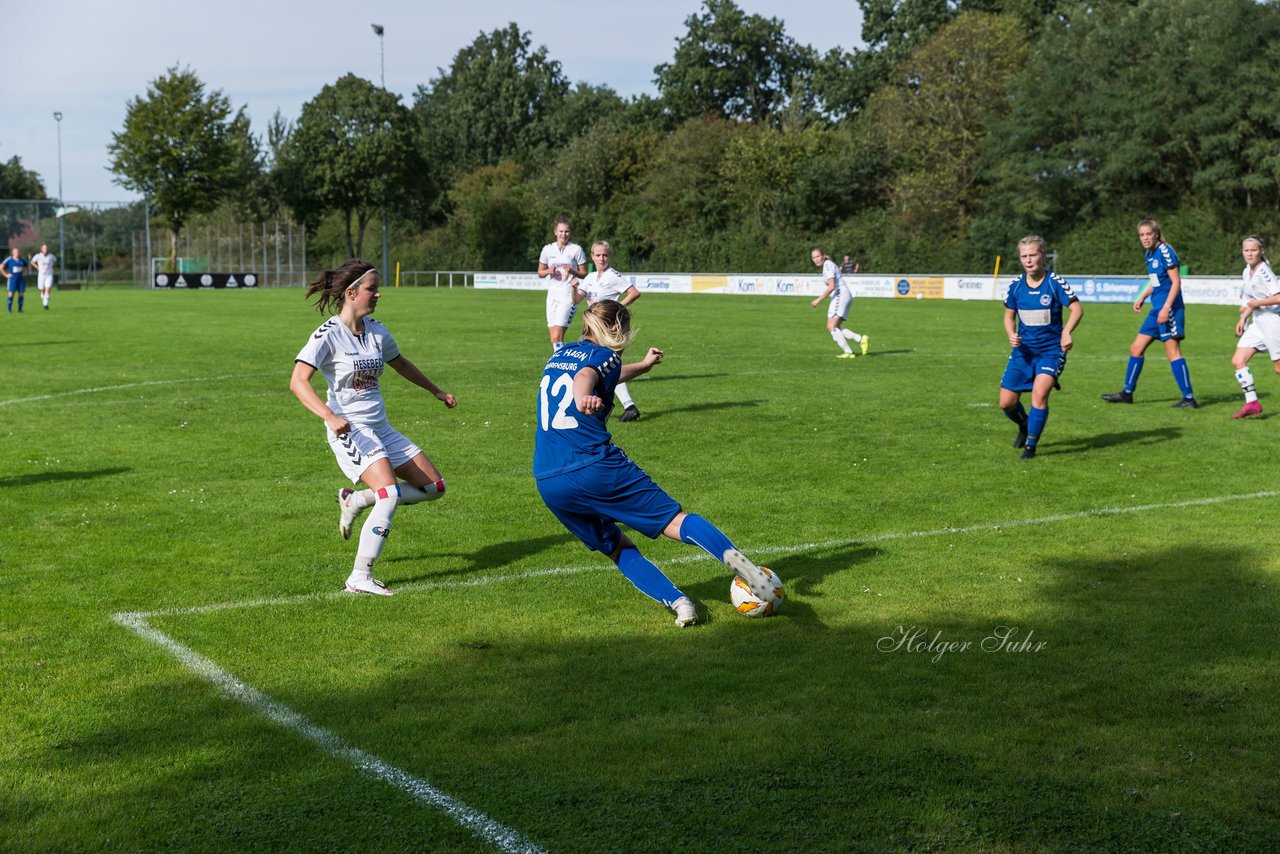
(1040, 341)
(1165, 320)
(350, 350)
(591, 485)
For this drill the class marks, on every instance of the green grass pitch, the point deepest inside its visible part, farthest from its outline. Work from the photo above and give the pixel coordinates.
(519, 692)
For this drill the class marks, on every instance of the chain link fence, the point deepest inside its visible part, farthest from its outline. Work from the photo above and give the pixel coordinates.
(91, 239)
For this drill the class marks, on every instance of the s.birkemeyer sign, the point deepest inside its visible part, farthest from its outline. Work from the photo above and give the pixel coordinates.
(922, 640)
(1215, 290)
(204, 281)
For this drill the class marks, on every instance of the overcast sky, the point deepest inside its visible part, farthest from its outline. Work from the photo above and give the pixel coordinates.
(87, 59)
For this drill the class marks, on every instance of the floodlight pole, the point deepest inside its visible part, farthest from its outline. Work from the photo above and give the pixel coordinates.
(378, 31)
(62, 259)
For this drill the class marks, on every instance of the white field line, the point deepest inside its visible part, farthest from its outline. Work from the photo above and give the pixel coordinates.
(479, 824)
(96, 390)
(476, 822)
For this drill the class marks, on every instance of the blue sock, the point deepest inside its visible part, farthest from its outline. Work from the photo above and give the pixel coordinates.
(701, 533)
(1182, 376)
(1018, 415)
(647, 578)
(10, 305)
(1035, 425)
(1132, 373)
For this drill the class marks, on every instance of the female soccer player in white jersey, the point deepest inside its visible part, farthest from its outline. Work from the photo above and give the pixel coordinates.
(1166, 320)
(1259, 326)
(561, 262)
(350, 350)
(591, 485)
(1040, 341)
(607, 283)
(841, 299)
(44, 262)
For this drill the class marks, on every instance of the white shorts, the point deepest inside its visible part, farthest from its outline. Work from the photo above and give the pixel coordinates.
(1263, 334)
(44, 282)
(841, 301)
(560, 311)
(364, 446)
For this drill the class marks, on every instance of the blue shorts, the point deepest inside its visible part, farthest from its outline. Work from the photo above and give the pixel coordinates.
(590, 501)
(1025, 365)
(19, 286)
(1174, 329)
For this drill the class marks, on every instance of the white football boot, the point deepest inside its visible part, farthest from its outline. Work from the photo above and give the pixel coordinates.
(347, 515)
(757, 580)
(685, 613)
(368, 584)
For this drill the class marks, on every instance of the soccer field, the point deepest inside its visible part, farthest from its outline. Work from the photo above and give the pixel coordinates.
(1072, 652)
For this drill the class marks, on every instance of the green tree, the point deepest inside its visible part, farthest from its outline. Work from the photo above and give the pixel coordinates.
(932, 118)
(353, 150)
(182, 149)
(735, 66)
(17, 182)
(497, 101)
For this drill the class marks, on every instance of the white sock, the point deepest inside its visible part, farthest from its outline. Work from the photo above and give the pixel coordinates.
(838, 337)
(44, 298)
(377, 527)
(624, 395)
(1244, 376)
(410, 494)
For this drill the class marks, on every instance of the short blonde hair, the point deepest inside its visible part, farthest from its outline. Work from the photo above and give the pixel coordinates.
(608, 323)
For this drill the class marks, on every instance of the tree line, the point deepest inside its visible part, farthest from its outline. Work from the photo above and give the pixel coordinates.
(960, 127)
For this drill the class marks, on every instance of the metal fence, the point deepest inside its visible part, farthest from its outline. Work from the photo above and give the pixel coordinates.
(276, 251)
(90, 239)
(437, 278)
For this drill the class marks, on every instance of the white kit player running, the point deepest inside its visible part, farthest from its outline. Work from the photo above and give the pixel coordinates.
(602, 284)
(1259, 326)
(561, 262)
(841, 299)
(44, 261)
(350, 350)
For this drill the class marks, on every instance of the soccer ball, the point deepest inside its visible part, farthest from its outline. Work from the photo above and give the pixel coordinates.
(748, 604)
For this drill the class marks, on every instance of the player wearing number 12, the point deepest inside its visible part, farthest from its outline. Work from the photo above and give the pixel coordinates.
(1040, 341)
(591, 485)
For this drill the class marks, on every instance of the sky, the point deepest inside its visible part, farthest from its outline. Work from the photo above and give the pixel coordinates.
(87, 59)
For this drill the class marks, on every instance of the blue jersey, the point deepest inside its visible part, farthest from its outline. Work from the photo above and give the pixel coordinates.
(1160, 260)
(16, 267)
(1039, 310)
(566, 439)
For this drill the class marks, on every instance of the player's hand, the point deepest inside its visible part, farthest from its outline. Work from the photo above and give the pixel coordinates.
(814, 304)
(1240, 327)
(1163, 316)
(1066, 341)
(447, 399)
(590, 405)
(339, 425)
(1015, 340)
(1137, 305)
(653, 357)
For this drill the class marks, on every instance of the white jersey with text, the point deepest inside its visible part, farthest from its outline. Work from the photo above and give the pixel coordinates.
(564, 263)
(609, 284)
(831, 271)
(351, 365)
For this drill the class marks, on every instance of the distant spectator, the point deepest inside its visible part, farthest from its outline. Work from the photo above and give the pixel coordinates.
(848, 265)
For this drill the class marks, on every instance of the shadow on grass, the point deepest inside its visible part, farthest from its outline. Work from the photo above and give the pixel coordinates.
(26, 345)
(58, 476)
(666, 378)
(1107, 440)
(492, 559)
(653, 415)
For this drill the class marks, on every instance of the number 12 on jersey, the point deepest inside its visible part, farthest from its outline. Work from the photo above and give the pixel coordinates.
(563, 392)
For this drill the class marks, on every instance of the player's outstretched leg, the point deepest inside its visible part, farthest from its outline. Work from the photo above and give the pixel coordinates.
(652, 582)
(697, 531)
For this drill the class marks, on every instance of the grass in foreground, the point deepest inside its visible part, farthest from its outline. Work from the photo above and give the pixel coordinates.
(157, 461)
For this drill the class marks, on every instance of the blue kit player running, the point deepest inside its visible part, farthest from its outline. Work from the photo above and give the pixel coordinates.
(1040, 341)
(1165, 320)
(15, 270)
(591, 485)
